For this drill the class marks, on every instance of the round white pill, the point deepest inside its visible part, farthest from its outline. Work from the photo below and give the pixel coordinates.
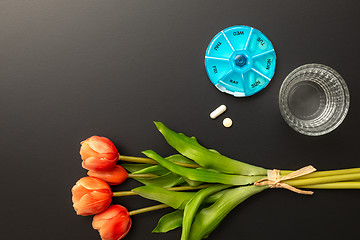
(227, 122)
(217, 112)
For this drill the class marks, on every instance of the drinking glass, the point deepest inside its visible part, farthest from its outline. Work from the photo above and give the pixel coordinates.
(314, 99)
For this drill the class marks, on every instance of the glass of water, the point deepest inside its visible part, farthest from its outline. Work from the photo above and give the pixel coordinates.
(314, 99)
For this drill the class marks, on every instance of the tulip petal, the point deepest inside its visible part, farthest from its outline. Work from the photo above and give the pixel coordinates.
(90, 196)
(114, 176)
(100, 195)
(78, 191)
(89, 205)
(86, 151)
(92, 183)
(102, 217)
(99, 163)
(98, 153)
(113, 224)
(115, 230)
(101, 144)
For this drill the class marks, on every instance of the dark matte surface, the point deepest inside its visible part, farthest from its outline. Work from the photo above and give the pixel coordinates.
(72, 69)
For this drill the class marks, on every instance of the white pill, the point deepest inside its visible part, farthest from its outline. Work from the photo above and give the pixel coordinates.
(227, 122)
(217, 112)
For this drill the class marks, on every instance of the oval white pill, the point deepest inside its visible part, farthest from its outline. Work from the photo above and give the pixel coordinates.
(217, 112)
(227, 122)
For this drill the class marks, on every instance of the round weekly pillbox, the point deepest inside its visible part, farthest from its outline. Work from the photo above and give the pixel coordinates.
(240, 60)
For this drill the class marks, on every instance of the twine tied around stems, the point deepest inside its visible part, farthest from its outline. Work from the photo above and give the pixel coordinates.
(274, 179)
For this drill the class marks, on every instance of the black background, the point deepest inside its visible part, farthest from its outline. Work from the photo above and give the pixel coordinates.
(72, 69)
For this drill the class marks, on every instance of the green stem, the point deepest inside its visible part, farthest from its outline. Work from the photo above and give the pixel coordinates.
(150, 161)
(335, 185)
(189, 165)
(323, 173)
(145, 175)
(181, 188)
(186, 188)
(148, 209)
(321, 180)
(136, 159)
(123, 193)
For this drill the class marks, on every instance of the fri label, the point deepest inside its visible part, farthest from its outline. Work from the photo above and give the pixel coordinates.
(214, 69)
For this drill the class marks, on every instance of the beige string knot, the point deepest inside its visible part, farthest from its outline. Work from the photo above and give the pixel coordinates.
(274, 179)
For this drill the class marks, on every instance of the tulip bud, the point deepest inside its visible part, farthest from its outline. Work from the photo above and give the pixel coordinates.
(90, 196)
(114, 176)
(113, 224)
(98, 153)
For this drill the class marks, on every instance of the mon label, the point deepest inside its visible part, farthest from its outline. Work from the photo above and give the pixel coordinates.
(268, 63)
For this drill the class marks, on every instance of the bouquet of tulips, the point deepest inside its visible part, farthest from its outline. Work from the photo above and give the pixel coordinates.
(201, 185)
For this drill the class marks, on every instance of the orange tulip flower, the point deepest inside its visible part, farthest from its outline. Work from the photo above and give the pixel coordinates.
(90, 196)
(113, 224)
(114, 176)
(98, 153)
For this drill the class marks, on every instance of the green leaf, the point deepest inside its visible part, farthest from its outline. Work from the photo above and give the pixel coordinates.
(160, 170)
(214, 197)
(165, 181)
(169, 222)
(202, 175)
(190, 148)
(179, 158)
(209, 218)
(133, 167)
(166, 178)
(213, 150)
(176, 200)
(155, 169)
(193, 205)
(192, 183)
(182, 159)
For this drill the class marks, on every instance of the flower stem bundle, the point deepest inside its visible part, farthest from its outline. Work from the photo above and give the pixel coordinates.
(201, 185)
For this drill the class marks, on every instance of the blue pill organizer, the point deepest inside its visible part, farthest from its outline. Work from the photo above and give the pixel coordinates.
(240, 61)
